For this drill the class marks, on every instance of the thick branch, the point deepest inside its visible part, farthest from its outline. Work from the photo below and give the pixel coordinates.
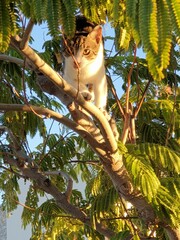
(60, 198)
(59, 118)
(67, 177)
(84, 120)
(113, 164)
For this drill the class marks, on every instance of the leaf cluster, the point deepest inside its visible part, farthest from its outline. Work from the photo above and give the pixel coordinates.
(8, 26)
(151, 167)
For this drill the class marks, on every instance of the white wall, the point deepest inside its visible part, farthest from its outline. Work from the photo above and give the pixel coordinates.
(14, 226)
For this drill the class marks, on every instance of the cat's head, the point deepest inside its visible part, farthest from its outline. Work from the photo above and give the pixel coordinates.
(83, 48)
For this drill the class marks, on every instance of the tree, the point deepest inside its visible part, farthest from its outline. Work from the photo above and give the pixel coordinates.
(132, 184)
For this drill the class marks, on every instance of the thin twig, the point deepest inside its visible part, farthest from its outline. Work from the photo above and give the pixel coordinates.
(128, 108)
(25, 206)
(173, 112)
(137, 82)
(24, 90)
(129, 80)
(44, 156)
(111, 50)
(142, 99)
(86, 161)
(113, 90)
(126, 211)
(44, 143)
(95, 163)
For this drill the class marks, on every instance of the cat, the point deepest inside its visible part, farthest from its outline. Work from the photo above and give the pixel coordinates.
(84, 62)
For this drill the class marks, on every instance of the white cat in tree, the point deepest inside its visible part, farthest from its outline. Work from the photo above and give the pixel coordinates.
(84, 66)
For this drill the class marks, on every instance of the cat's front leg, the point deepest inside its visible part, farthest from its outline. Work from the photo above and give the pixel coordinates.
(100, 92)
(87, 92)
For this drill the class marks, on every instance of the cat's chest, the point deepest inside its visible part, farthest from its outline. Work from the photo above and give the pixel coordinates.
(92, 71)
(86, 71)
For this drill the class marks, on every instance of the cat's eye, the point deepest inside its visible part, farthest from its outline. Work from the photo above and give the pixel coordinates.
(86, 51)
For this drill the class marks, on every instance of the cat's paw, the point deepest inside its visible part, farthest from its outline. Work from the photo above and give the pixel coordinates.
(87, 96)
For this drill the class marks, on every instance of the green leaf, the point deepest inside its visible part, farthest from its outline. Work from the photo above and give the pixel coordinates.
(102, 203)
(31, 204)
(53, 16)
(174, 9)
(132, 9)
(142, 175)
(155, 32)
(161, 156)
(5, 26)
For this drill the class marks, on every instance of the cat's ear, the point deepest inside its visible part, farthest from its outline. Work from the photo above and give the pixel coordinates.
(96, 33)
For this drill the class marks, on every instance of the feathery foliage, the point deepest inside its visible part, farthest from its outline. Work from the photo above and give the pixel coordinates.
(149, 163)
(7, 24)
(143, 175)
(152, 25)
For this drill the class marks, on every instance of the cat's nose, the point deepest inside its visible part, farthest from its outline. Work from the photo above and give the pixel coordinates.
(76, 64)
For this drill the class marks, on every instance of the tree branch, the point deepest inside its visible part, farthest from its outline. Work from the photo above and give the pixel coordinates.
(113, 90)
(67, 177)
(17, 149)
(85, 121)
(27, 34)
(59, 118)
(112, 163)
(129, 81)
(14, 141)
(128, 109)
(142, 99)
(7, 58)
